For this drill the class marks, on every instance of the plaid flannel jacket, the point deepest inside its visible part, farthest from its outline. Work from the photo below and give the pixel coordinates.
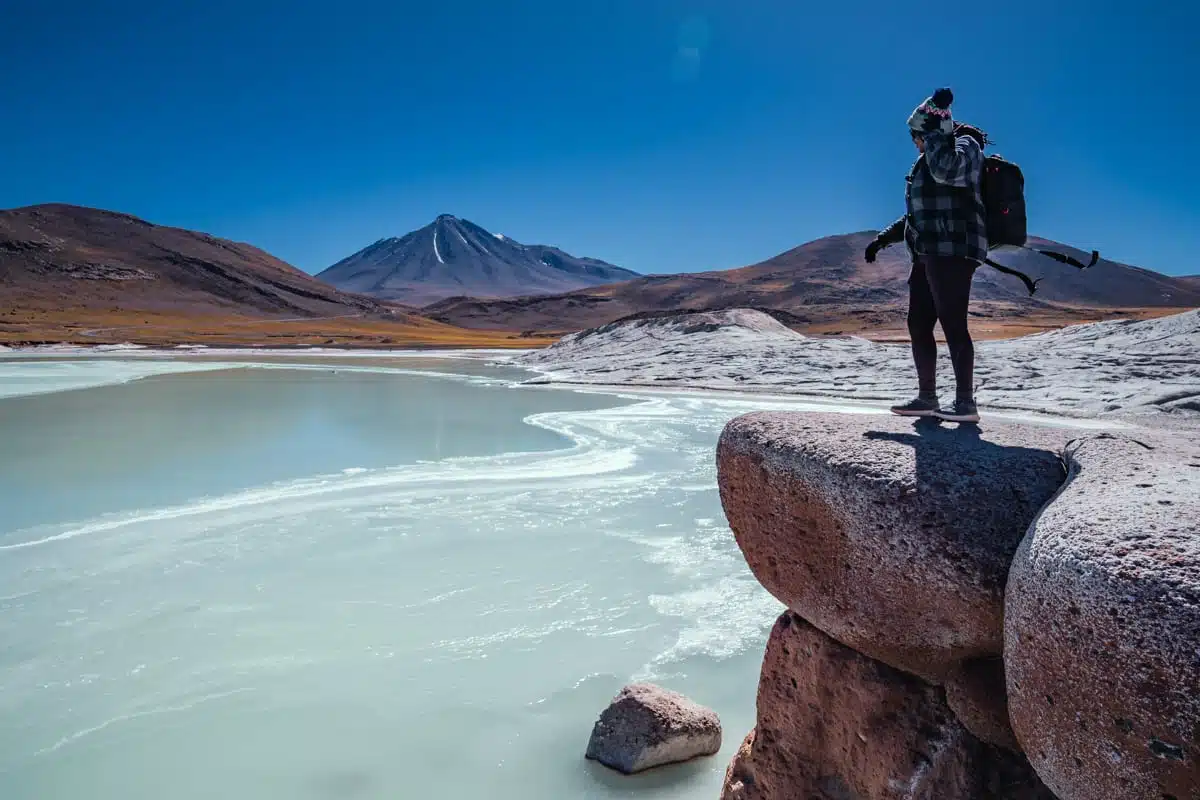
(944, 201)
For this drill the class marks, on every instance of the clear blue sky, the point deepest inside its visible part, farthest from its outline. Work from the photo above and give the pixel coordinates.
(662, 135)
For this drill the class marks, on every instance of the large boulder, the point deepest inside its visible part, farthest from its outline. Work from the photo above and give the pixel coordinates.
(833, 724)
(894, 538)
(647, 726)
(1102, 629)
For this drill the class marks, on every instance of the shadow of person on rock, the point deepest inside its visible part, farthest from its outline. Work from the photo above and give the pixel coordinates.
(931, 424)
(931, 434)
(942, 446)
(983, 494)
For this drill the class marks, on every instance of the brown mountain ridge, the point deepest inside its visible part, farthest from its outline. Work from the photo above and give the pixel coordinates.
(70, 273)
(826, 285)
(96, 258)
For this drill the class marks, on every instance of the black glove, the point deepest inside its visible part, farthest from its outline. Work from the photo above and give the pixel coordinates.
(873, 250)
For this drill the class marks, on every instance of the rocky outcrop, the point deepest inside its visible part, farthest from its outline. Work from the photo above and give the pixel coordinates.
(647, 726)
(1103, 624)
(1011, 611)
(894, 539)
(834, 724)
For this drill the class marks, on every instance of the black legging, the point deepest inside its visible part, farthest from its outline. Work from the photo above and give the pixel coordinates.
(940, 290)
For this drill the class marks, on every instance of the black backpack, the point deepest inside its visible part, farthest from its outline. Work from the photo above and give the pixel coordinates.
(1003, 189)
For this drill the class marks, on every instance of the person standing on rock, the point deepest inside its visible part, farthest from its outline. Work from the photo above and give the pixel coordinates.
(945, 233)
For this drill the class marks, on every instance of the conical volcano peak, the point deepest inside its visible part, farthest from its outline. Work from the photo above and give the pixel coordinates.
(452, 257)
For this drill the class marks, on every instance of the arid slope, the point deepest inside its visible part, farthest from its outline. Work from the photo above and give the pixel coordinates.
(827, 286)
(69, 273)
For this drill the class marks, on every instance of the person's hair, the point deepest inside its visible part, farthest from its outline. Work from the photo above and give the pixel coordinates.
(978, 134)
(960, 129)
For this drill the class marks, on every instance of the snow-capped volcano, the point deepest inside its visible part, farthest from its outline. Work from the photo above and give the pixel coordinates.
(453, 257)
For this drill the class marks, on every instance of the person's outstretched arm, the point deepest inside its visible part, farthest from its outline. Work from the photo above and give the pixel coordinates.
(954, 161)
(892, 234)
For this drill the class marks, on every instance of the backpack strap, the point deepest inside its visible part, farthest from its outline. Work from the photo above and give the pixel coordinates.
(1066, 259)
(1029, 282)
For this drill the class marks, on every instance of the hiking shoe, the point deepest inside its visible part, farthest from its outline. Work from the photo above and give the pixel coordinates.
(959, 411)
(920, 407)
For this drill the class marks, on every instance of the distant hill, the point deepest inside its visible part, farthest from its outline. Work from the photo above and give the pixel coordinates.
(827, 281)
(87, 276)
(453, 257)
(1108, 284)
(59, 256)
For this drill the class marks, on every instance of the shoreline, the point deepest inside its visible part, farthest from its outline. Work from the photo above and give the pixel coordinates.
(354, 332)
(838, 403)
(130, 349)
(544, 378)
(177, 348)
(1071, 376)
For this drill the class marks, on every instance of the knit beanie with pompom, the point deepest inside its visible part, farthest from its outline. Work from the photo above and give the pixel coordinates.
(933, 114)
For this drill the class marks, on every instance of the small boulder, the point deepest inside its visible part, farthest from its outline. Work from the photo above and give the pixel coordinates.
(647, 726)
(1102, 623)
(892, 537)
